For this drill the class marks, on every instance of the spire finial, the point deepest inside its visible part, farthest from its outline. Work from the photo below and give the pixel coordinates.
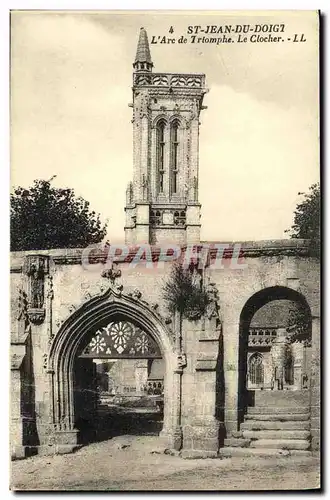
(143, 58)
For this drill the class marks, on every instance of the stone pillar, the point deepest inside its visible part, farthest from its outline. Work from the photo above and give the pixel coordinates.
(154, 166)
(23, 435)
(194, 156)
(64, 437)
(16, 420)
(170, 391)
(66, 441)
(144, 155)
(298, 355)
(183, 177)
(201, 432)
(129, 226)
(193, 225)
(171, 433)
(177, 385)
(231, 375)
(279, 355)
(231, 397)
(142, 223)
(141, 375)
(315, 384)
(176, 426)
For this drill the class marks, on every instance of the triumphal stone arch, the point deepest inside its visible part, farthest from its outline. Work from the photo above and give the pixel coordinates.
(222, 372)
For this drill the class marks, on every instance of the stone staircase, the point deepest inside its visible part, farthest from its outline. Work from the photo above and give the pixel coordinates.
(278, 423)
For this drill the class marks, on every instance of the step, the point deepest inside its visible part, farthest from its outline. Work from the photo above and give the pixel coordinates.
(279, 398)
(275, 417)
(255, 410)
(252, 425)
(260, 452)
(284, 444)
(237, 442)
(276, 434)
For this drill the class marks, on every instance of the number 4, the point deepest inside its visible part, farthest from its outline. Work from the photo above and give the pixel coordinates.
(171, 30)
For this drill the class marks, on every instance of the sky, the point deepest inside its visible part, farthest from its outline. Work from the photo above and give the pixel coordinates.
(71, 78)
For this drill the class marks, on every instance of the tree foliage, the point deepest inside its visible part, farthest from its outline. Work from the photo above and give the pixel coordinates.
(300, 322)
(307, 216)
(183, 295)
(44, 217)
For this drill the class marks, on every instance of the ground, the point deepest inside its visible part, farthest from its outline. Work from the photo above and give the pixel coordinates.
(138, 463)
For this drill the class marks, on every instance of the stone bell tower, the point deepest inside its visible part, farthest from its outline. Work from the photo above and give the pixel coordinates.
(162, 201)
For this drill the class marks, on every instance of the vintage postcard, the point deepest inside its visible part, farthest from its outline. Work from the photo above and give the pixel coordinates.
(165, 250)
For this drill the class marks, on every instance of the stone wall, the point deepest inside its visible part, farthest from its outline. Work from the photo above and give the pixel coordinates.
(236, 287)
(205, 402)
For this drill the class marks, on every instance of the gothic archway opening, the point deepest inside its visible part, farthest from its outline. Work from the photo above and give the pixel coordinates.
(118, 382)
(75, 380)
(274, 340)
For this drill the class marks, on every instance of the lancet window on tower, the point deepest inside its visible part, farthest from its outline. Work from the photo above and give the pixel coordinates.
(174, 165)
(160, 156)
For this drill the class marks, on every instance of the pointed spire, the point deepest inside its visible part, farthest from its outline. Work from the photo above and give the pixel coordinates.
(143, 52)
(143, 58)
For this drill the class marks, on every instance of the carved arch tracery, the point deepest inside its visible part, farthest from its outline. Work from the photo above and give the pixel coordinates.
(88, 317)
(158, 119)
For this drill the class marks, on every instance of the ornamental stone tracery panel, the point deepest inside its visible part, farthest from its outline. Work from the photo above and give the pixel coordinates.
(121, 339)
(164, 216)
